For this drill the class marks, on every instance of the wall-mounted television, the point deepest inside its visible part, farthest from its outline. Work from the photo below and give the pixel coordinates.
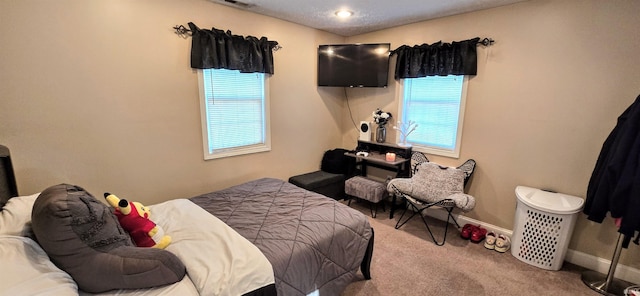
(353, 65)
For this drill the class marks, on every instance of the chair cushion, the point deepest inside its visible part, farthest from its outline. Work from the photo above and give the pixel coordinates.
(432, 183)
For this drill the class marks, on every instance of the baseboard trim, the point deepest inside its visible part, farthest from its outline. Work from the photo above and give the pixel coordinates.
(602, 265)
(585, 260)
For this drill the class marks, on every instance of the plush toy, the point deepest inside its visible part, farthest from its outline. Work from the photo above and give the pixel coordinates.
(134, 218)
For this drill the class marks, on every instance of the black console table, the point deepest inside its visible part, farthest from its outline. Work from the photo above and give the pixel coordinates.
(377, 153)
(377, 158)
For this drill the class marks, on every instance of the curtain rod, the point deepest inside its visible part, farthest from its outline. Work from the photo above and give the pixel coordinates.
(182, 30)
(486, 41)
(186, 32)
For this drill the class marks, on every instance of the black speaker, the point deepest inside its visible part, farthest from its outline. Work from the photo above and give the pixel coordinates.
(8, 187)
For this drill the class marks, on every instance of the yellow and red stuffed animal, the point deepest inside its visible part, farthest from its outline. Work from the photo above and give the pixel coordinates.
(135, 219)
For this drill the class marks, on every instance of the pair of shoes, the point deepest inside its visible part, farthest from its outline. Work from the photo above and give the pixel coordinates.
(503, 243)
(467, 230)
(632, 291)
(490, 242)
(472, 232)
(500, 243)
(478, 235)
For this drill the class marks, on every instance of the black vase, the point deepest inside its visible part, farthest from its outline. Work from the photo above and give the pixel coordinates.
(381, 134)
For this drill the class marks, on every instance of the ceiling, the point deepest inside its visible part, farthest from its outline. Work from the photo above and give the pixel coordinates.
(368, 15)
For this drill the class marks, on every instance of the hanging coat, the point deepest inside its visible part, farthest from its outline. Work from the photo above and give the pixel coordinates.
(615, 182)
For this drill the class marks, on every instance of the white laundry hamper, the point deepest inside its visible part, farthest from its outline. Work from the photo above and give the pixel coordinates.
(543, 226)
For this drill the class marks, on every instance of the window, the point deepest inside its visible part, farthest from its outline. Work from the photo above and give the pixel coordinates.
(234, 111)
(436, 104)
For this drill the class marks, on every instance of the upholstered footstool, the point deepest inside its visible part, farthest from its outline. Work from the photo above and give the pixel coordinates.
(366, 189)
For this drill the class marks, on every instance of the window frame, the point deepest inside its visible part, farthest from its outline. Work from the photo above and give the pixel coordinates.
(239, 150)
(455, 153)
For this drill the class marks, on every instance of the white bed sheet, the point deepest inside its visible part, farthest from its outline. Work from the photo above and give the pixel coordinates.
(26, 270)
(219, 261)
(183, 288)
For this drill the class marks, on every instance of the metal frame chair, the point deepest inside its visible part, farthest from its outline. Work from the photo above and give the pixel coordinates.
(418, 206)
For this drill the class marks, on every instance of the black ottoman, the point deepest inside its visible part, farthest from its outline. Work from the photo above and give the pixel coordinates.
(328, 184)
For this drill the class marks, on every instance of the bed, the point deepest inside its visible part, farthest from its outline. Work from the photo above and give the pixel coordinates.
(314, 243)
(263, 237)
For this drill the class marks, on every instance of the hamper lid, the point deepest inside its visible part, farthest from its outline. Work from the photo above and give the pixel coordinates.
(556, 203)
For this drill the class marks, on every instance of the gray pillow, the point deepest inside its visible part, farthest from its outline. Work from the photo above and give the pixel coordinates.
(82, 236)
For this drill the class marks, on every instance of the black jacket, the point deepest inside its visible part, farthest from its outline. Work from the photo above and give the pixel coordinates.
(615, 182)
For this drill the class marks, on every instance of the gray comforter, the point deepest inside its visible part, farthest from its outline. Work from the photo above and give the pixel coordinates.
(314, 243)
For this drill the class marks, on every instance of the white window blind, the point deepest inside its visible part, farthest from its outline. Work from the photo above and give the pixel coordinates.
(436, 104)
(234, 115)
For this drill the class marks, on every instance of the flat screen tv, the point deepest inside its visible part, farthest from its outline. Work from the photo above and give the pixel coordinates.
(353, 65)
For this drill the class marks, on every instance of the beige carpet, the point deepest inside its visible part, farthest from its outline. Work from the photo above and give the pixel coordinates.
(407, 262)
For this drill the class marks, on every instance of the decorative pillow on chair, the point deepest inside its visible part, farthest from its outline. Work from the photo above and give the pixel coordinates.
(83, 237)
(432, 183)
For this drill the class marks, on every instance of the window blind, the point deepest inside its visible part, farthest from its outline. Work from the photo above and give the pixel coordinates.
(235, 109)
(433, 102)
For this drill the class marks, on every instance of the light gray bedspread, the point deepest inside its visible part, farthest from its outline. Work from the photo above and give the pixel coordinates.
(313, 242)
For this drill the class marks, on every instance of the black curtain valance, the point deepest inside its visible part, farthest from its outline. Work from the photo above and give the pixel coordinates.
(438, 59)
(217, 49)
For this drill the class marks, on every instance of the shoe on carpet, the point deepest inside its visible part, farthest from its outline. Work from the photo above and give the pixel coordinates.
(490, 242)
(467, 230)
(478, 235)
(632, 291)
(503, 243)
